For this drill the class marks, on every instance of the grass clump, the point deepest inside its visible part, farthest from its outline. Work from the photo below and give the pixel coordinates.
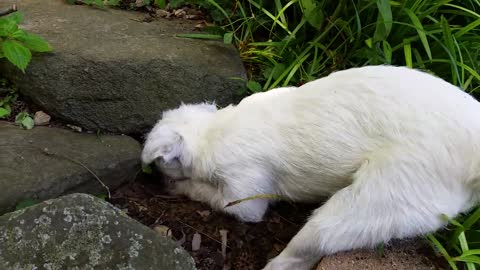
(293, 42)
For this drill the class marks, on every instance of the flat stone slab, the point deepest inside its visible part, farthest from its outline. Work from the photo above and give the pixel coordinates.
(400, 255)
(44, 163)
(110, 71)
(80, 231)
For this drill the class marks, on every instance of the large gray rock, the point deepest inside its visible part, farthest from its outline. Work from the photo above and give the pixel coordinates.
(28, 172)
(82, 232)
(109, 71)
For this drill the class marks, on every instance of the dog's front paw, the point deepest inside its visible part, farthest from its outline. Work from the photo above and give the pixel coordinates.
(282, 262)
(180, 188)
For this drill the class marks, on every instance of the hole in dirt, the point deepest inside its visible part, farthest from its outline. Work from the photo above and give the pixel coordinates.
(249, 245)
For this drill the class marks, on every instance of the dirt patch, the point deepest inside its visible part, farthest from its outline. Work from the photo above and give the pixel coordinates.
(249, 245)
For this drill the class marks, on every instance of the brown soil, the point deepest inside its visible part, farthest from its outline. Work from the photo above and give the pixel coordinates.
(249, 246)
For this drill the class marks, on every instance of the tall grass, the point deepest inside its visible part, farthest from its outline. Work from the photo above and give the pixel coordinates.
(292, 42)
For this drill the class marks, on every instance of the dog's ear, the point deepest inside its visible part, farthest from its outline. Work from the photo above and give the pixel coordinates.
(162, 142)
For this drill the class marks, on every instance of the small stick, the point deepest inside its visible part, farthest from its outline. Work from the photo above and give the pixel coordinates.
(199, 231)
(11, 9)
(45, 151)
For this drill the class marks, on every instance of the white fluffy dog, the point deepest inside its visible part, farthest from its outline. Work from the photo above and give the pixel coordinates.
(394, 148)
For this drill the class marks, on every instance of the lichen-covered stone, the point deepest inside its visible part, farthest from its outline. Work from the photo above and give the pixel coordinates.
(44, 163)
(79, 231)
(111, 71)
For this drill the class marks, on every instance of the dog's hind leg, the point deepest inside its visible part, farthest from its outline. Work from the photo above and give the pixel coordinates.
(392, 196)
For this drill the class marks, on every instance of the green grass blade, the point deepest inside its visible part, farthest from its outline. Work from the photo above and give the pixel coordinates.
(466, 10)
(473, 25)
(473, 218)
(464, 246)
(442, 251)
(271, 16)
(421, 32)
(407, 49)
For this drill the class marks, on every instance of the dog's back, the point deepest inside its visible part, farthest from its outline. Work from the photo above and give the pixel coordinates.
(319, 134)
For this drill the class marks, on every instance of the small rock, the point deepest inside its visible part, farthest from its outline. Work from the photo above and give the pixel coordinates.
(196, 241)
(75, 128)
(192, 17)
(179, 13)
(163, 230)
(41, 118)
(162, 13)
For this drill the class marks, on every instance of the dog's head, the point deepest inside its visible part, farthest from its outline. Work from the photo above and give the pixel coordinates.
(166, 145)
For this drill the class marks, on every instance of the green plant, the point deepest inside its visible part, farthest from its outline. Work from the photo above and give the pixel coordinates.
(460, 243)
(16, 45)
(5, 104)
(24, 120)
(292, 42)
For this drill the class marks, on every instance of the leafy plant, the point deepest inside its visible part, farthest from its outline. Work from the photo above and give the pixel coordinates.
(5, 104)
(16, 45)
(292, 42)
(460, 243)
(24, 120)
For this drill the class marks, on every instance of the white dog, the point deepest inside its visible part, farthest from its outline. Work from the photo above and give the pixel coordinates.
(394, 148)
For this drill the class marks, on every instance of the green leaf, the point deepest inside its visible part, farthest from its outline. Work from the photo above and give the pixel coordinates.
(17, 54)
(176, 3)
(407, 50)
(24, 120)
(98, 3)
(147, 169)
(278, 70)
(228, 38)
(25, 203)
(16, 17)
(113, 3)
(7, 27)
(102, 196)
(35, 43)
(468, 259)
(160, 4)
(4, 112)
(384, 20)
(387, 52)
(254, 86)
(27, 123)
(369, 43)
(315, 16)
(421, 32)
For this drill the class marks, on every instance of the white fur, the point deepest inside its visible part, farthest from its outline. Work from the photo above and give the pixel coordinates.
(394, 148)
